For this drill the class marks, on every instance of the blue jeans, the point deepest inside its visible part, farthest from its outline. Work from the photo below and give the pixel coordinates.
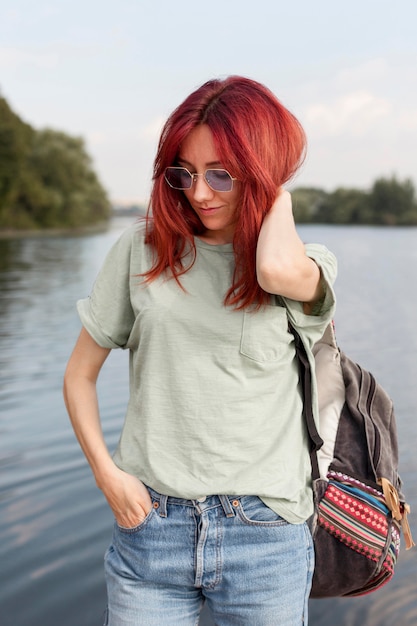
(249, 565)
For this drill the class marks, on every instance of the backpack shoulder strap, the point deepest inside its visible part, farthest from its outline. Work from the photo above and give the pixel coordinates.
(316, 441)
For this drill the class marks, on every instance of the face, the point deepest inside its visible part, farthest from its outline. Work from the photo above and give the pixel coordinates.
(217, 210)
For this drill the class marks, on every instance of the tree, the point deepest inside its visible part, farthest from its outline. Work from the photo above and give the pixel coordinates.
(15, 138)
(344, 206)
(307, 202)
(46, 178)
(389, 202)
(63, 167)
(393, 203)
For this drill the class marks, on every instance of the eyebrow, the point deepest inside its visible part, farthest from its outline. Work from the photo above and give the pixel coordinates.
(211, 164)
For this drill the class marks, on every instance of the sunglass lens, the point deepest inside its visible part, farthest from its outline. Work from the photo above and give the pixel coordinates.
(219, 180)
(178, 177)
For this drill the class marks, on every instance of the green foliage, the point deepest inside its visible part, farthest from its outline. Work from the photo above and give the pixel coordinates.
(307, 202)
(389, 202)
(15, 138)
(394, 203)
(46, 178)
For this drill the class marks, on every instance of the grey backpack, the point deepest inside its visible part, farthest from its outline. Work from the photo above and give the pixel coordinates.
(359, 506)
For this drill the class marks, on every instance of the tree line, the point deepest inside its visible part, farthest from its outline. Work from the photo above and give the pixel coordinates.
(46, 178)
(389, 202)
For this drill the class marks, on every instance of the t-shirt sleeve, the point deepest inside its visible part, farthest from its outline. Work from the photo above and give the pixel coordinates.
(313, 326)
(107, 313)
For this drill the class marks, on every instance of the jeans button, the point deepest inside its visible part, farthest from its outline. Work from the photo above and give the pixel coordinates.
(203, 499)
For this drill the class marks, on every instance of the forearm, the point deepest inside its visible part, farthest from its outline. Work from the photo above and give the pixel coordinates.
(80, 395)
(82, 405)
(281, 263)
(127, 496)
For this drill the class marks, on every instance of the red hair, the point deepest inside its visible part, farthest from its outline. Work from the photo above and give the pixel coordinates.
(259, 142)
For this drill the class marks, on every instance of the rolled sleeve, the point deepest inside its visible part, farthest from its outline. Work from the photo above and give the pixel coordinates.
(93, 327)
(313, 326)
(107, 313)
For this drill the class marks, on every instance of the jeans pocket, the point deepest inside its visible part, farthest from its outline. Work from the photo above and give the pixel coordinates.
(254, 512)
(134, 529)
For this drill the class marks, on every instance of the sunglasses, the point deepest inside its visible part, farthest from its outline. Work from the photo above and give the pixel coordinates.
(216, 179)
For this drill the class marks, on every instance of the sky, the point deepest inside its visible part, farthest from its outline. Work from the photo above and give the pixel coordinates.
(112, 71)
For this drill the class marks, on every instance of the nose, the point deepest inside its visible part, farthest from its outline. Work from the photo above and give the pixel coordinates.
(201, 190)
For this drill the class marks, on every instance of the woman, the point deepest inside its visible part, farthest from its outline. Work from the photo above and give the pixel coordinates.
(210, 483)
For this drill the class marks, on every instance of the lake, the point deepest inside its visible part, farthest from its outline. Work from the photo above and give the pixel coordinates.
(54, 522)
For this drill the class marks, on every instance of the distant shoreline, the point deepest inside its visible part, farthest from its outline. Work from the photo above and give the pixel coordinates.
(16, 233)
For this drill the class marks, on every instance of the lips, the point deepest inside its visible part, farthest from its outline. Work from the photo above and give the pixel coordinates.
(208, 210)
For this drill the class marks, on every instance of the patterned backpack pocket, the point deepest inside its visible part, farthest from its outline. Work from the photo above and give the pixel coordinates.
(354, 515)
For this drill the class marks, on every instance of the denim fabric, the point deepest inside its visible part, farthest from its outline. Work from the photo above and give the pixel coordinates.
(249, 565)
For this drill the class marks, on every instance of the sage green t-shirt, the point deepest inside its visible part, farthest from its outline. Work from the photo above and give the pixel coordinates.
(214, 403)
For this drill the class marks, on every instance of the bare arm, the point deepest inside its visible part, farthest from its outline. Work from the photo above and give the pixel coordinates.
(127, 496)
(281, 263)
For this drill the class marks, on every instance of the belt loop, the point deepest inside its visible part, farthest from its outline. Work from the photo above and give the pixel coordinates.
(227, 507)
(163, 505)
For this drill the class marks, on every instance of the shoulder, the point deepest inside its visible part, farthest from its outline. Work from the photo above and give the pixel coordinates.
(129, 253)
(131, 242)
(133, 234)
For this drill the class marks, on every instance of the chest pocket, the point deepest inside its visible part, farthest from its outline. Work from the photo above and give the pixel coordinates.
(265, 337)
